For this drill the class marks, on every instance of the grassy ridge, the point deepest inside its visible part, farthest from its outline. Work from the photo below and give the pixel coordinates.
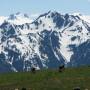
(47, 79)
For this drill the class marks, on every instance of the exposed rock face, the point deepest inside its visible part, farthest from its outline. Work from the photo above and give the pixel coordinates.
(48, 42)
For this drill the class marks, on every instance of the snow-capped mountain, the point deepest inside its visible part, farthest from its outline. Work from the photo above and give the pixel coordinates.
(2, 19)
(49, 41)
(17, 19)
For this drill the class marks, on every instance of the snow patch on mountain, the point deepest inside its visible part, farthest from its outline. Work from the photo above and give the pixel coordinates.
(83, 17)
(2, 18)
(19, 18)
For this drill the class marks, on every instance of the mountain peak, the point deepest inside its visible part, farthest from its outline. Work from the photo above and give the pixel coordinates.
(17, 16)
(77, 14)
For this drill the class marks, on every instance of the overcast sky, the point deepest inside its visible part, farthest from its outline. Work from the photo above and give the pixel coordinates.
(40, 6)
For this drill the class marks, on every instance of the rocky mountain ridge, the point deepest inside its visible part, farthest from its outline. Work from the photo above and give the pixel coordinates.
(49, 41)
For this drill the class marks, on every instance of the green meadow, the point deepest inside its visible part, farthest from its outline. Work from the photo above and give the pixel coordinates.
(47, 79)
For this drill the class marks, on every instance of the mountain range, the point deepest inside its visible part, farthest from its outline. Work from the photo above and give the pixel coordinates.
(47, 41)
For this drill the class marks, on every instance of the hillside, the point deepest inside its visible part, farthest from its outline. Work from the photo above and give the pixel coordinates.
(47, 79)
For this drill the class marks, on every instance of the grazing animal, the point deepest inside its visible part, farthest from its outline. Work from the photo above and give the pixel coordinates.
(16, 89)
(23, 89)
(77, 88)
(33, 69)
(61, 68)
(86, 89)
